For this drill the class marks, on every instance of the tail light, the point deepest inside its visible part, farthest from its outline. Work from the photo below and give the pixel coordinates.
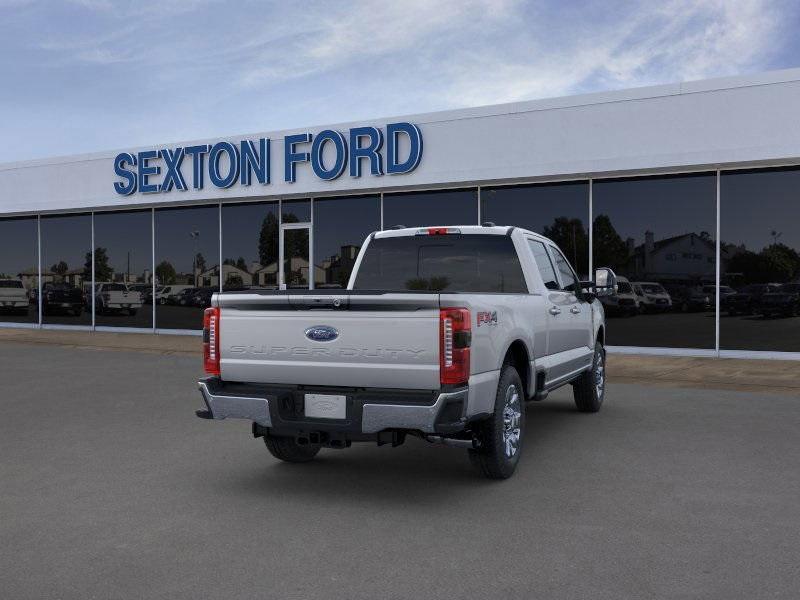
(211, 318)
(455, 336)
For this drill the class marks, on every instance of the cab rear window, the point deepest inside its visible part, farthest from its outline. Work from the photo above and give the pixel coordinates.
(446, 263)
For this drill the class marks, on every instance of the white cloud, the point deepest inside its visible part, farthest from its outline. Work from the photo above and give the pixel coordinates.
(678, 40)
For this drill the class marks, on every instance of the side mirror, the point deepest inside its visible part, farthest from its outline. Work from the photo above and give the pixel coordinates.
(605, 282)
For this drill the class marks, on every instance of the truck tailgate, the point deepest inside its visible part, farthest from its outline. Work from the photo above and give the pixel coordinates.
(378, 340)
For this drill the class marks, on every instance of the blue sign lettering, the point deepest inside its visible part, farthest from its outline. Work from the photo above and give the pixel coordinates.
(329, 154)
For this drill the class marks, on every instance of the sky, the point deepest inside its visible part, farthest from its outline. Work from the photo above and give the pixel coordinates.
(91, 75)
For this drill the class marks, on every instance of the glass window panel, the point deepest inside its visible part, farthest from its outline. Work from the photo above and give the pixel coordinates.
(340, 227)
(187, 269)
(296, 211)
(559, 211)
(418, 209)
(546, 269)
(67, 269)
(250, 245)
(19, 270)
(658, 231)
(123, 264)
(295, 257)
(452, 263)
(569, 281)
(760, 260)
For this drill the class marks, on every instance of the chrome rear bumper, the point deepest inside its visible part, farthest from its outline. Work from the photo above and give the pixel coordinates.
(374, 416)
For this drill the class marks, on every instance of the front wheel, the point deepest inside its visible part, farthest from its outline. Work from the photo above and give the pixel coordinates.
(501, 435)
(589, 389)
(288, 450)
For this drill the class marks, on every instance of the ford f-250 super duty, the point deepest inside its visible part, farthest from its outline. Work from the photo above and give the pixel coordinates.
(442, 332)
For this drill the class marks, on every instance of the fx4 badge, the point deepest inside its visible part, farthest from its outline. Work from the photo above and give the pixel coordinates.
(487, 318)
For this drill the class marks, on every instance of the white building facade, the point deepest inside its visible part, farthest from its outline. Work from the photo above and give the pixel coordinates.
(688, 185)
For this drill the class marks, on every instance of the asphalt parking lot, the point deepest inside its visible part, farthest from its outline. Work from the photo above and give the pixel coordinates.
(111, 488)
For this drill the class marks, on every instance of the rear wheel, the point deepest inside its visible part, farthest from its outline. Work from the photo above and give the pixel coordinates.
(589, 389)
(502, 434)
(288, 450)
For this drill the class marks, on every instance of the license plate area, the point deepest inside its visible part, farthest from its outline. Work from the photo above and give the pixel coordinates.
(325, 406)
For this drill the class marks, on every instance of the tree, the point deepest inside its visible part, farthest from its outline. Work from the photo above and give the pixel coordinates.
(200, 262)
(60, 268)
(268, 240)
(165, 273)
(610, 249)
(777, 262)
(102, 270)
(572, 238)
(241, 263)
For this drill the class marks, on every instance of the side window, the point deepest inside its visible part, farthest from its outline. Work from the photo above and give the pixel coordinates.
(544, 264)
(568, 277)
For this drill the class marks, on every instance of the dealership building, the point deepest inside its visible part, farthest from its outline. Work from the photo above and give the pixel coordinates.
(689, 191)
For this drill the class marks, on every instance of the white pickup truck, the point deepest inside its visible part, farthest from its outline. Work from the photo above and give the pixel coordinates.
(442, 332)
(13, 296)
(116, 298)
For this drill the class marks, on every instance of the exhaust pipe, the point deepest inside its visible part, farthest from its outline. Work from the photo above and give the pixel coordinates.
(474, 443)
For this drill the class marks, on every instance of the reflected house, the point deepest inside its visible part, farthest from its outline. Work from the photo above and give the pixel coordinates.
(338, 267)
(72, 277)
(232, 276)
(685, 258)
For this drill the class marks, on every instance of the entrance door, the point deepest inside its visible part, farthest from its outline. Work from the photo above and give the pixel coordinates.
(295, 260)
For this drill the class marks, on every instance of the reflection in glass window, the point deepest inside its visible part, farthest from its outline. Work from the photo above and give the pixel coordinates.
(187, 265)
(545, 266)
(649, 231)
(340, 227)
(559, 211)
(296, 211)
(417, 209)
(123, 293)
(67, 269)
(569, 281)
(452, 263)
(19, 270)
(250, 245)
(760, 260)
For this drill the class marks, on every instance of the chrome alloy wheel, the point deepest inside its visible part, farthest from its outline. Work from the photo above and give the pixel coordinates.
(599, 374)
(512, 419)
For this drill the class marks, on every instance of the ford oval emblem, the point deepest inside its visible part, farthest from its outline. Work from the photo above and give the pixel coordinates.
(322, 333)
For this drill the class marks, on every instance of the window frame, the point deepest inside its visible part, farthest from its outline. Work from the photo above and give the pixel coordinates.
(544, 245)
(552, 248)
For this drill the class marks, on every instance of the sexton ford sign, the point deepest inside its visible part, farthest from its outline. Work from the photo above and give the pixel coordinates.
(224, 164)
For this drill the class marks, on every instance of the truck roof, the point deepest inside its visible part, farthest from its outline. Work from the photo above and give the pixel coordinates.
(454, 229)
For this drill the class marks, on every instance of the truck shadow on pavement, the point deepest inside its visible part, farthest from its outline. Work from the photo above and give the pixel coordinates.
(417, 472)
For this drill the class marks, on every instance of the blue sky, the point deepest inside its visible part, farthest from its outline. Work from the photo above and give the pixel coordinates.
(88, 75)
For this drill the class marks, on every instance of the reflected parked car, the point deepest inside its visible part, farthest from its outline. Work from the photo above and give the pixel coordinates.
(624, 302)
(184, 297)
(13, 296)
(202, 296)
(785, 301)
(652, 296)
(747, 300)
(169, 293)
(116, 298)
(724, 292)
(690, 299)
(61, 298)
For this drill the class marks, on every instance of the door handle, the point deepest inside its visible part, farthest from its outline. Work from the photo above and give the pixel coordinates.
(555, 311)
(575, 310)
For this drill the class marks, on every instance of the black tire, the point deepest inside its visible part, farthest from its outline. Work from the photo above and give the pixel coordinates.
(288, 450)
(589, 389)
(498, 432)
